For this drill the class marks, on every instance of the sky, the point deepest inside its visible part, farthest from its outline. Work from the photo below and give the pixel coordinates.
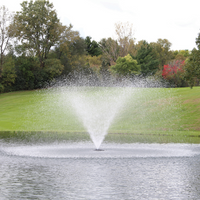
(175, 20)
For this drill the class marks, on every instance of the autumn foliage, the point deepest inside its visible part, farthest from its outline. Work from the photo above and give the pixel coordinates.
(174, 72)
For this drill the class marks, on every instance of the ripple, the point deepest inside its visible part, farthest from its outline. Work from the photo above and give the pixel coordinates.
(86, 150)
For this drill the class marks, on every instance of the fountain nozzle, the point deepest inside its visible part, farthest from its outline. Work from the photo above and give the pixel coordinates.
(99, 150)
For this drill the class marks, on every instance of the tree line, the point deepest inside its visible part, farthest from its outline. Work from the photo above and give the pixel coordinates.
(36, 48)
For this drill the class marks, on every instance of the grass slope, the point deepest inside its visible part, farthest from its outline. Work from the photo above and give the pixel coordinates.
(149, 111)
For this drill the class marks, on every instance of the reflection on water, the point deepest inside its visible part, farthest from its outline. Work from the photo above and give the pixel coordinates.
(169, 171)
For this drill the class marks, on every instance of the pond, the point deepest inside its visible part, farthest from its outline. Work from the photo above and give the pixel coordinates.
(73, 170)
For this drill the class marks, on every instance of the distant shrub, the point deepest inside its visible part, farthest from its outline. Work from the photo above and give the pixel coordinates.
(174, 73)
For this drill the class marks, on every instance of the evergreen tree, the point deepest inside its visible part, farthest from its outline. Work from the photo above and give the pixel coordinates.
(92, 47)
(146, 60)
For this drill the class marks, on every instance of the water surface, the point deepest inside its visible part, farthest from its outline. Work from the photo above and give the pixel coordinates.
(121, 171)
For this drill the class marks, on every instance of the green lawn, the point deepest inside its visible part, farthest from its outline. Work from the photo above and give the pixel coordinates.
(149, 111)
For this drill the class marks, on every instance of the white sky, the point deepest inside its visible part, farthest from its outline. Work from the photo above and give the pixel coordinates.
(175, 20)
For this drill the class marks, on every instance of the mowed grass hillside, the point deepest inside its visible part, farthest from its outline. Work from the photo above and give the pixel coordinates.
(146, 110)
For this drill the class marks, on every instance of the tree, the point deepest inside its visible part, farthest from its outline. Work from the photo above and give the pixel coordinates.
(53, 68)
(8, 75)
(6, 18)
(27, 68)
(162, 51)
(174, 73)
(124, 32)
(192, 67)
(181, 54)
(104, 71)
(110, 49)
(38, 28)
(31, 76)
(71, 51)
(122, 46)
(126, 66)
(92, 47)
(146, 59)
(94, 62)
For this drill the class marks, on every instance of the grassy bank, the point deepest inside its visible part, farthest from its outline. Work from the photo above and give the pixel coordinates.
(149, 111)
(64, 137)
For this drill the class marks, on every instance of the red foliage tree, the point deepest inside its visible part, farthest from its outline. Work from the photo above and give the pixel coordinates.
(173, 72)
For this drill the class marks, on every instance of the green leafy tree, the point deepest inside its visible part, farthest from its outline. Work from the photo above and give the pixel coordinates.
(146, 59)
(192, 68)
(94, 62)
(181, 54)
(38, 28)
(27, 68)
(53, 68)
(162, 51)
(8, 75)
(31, 76)
(70, 51)
(126, 66)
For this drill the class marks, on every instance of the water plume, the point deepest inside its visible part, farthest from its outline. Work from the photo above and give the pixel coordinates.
(97, 102)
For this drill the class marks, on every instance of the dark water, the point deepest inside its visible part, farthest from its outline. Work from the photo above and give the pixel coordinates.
(121, 171)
